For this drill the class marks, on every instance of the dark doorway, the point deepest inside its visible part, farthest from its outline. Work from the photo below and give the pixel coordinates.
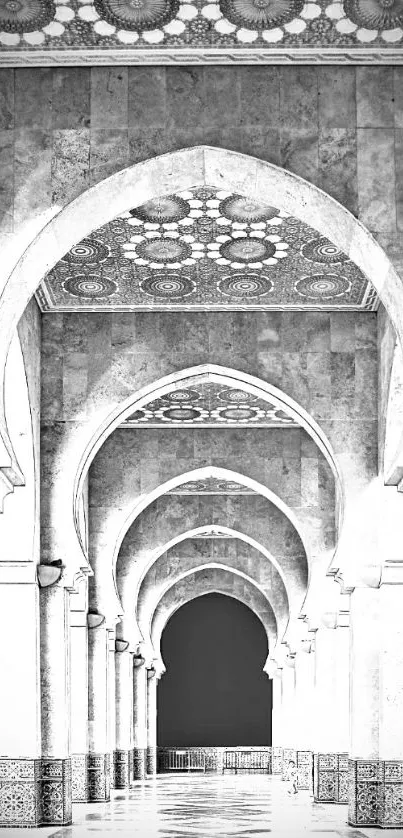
(214, 691)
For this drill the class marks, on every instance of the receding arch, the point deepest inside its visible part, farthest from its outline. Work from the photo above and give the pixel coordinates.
(176, 171)
(145, 608)
(179, 593)
(202, 474)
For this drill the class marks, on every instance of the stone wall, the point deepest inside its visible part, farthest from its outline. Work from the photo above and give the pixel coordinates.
(341, 128)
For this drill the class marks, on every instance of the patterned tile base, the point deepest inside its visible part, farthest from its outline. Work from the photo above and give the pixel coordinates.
(121, 770)
(376, 793)
(305, 769)
(151, 761)
(139, 763)
(98, 777)
(331, 778)
(277, 760)
(35, 792)
(79, 778)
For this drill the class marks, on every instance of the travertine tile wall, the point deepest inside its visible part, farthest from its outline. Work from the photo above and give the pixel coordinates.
(135, 462)
(341, 128)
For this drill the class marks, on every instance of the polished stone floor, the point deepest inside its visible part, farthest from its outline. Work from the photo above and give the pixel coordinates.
(197, 806)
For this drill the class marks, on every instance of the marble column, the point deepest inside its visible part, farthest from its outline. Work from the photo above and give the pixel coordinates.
(304, 713)
(276, 725)
(331, 711)
(111, 714)
(55, 766)
(20, 700)
(139, 717)
(288, 714)
(124, 712)
(376, 683)
(79, 706)
(98, 755)
(152, 685)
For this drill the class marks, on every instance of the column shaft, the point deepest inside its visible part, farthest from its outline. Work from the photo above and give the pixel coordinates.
(152, 685)
(98, 756)
(331, 712)
(124, 713)
(79, 707)
(139, 718)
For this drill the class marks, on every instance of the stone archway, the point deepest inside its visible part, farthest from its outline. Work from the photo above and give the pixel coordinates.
(158, 177)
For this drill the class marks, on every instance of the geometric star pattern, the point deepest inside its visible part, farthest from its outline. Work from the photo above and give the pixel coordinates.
(205, 249)
(209, 404)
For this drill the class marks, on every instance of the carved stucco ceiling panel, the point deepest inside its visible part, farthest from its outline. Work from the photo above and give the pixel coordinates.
(205, 250)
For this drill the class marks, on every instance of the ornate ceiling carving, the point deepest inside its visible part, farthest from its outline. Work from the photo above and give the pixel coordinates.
(209, 405)
(205, 250)
(136, 31)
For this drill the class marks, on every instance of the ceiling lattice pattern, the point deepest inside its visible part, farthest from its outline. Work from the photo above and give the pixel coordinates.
(209, 404)
(88, 27)
(205, 250)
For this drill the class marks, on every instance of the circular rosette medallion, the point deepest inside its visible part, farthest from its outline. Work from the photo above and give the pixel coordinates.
(181, 414)
(243, 210)
(247, 250)
(323, 286)
(88, 251)
(181, 396)
(261, 14)
(237, 414)
(375, 14)
(164, 250)
(323, 251)
(137, 15)
(162, 210)
(90, 286)
(245, 286)
(25, 15)
(236, 396)
(167, 287)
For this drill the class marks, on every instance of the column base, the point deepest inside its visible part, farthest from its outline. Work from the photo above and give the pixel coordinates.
(98, 777)
(151, 761)
(330, 778)
(304, 770)
(79, 778)
(376, 793)
(288, 753)
(35, 792)
(121, 769)
(277, 760)
(139, 763)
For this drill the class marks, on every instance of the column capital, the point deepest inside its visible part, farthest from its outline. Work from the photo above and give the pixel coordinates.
(95, 620)
(138, 661)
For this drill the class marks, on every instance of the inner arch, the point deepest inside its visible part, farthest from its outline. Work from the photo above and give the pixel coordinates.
(214, 691)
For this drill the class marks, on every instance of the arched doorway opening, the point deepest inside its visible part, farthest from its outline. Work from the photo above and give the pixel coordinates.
(214, 691)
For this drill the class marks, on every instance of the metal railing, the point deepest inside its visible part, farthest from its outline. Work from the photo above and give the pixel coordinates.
(184, 759)
(247, 760)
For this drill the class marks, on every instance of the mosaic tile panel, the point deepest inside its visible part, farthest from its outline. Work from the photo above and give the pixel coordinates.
(305, 769)
(121, 769)
(19, 792)
(205, 249)
(98, 777)
(376, 793)
(139, 763)
(331, 778)
(134, 32)
(55, 790)
(79, 778)
(151, 761)
(212, 405)
(277, 760)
